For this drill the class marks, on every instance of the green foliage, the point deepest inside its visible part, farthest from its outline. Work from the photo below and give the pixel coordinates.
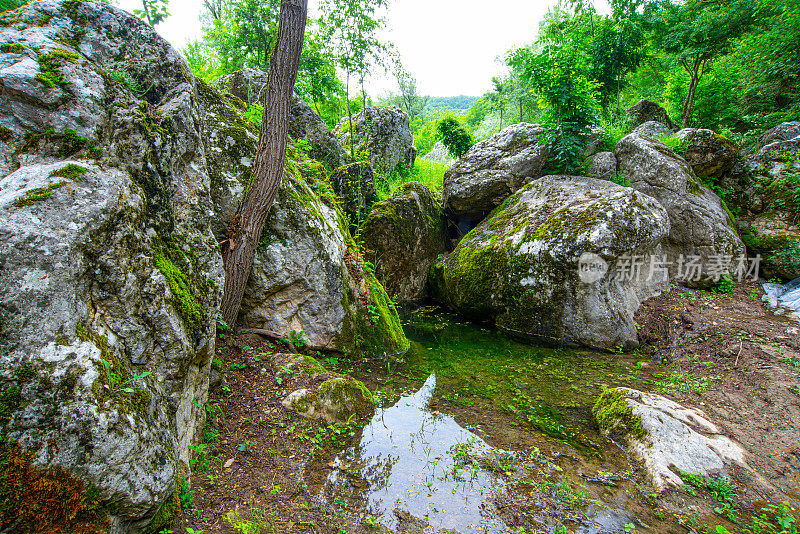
(724, 285)
(454, 136)
(71, 171)
(38, 194)
(50, 66)
(154, 11)
(8, 5)
(675, 143)
(775, 519)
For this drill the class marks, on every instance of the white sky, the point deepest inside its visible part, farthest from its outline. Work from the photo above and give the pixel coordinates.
(450, 46)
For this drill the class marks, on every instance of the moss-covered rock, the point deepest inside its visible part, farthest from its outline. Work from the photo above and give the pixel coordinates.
(665, 437)
(402, 237)
(711, 155)
(528, 266)
(381, 135)
(336, 400)
(776, 239)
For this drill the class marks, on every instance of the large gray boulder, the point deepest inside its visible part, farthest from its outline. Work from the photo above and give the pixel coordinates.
(645, 111)
(668, 438)
(355, 186)
(783, 132)
(494, 169)
(702, 228)
(711, 155)
(543, 264)
(652, 129)
(111, 275)
(402, 236)
(249, 85)
(381, 136)
(307, 278)
(780, 143)
(602, 166)
(775, 236)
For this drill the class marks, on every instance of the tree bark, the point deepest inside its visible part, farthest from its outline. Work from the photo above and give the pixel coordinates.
(245, 231)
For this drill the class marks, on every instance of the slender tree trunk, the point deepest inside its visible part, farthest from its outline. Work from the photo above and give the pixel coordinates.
(350, 116)
(694, 79)
(246, 227)
(147, 12)
(501, 118)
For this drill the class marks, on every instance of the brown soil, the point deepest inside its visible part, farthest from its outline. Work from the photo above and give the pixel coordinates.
(750, 361)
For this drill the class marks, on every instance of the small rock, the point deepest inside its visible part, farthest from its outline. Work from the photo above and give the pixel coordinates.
(228, 463)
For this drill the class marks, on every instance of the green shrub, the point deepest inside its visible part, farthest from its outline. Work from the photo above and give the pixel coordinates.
(454, 136)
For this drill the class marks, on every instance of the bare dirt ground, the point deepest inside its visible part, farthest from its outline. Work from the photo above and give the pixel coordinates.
(734, 360)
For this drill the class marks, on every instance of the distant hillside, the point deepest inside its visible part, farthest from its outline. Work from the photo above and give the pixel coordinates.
(458, 104)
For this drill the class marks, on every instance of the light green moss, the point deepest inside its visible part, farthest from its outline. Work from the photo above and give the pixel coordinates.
(71, 171)
(182, 291)
(39, 194)
(615, 416)
(50, 66)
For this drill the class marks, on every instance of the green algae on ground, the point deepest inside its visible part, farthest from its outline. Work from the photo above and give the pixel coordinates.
(552, 389)
(615, 416)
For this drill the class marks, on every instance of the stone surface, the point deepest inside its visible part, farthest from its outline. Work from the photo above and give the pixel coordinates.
(249, 85)
(602, 166)
(336, 400)
(711, 155)
(493, 169)
(776, 238)
(110, 268)
(439, 154)
(402, 236)
(520, 266)
(783, 132)
(701, 226)
(646, 111)
(671, 437)
(381, 136)
(355, 185)
(652, 129)
(780, 150)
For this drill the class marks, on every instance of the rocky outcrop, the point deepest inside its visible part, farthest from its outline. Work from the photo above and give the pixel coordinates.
(702, 229)
(402, 236)
(780, 143)
(652, 129)
(776, 238)
(602, 166)
(111, 274)
(249, 85)
(355, 185)
(493, 169)
(783, 132)
(666, 437)
(439, 154)
(381, 136)
(544, 263)
(645, 111)
(711, 155)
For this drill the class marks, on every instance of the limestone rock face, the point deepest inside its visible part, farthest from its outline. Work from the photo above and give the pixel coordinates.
(782, 132)
(382, 136)
(111, 274)
(493, 169)
(521, 266)
(402, 236)
(710, 155)
(666, 436)
(603, 166)
(645, 111)
(776, 238)
(439, 154)
(652, 129)
(249, 85)
(355, 185)
(700, 223)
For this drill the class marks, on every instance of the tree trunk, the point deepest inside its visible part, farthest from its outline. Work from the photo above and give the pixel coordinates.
(350, 117)
(245, 231)
(694, 78)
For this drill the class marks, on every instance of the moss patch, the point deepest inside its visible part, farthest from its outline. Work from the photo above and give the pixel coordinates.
(39, 194)
(50, 67)
(182, 291)
(616, 417)
(11, 48)
(72, 171)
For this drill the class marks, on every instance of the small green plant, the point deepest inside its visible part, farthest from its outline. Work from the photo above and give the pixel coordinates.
(620, 178)
(724, 285)
(256, 524)
(186, 495)
(128, 81)
(71, 171)
(775, 519)
(255, 114)
(675, 143)
(686, 382)
(200, 461)
(190, 530)
(38, 194)
(297, 339)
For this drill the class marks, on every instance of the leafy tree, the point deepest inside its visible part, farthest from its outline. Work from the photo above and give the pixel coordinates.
(240, 247)
(454, 136)
(409, 100)
(350, 27)
(697, 32)
(153, 11)
(499, 98)
(8, 5)
(557, 74)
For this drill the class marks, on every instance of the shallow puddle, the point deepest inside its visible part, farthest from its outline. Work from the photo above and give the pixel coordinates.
(464, 394)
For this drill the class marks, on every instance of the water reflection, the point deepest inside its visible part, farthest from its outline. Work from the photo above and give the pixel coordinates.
(418, 460)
